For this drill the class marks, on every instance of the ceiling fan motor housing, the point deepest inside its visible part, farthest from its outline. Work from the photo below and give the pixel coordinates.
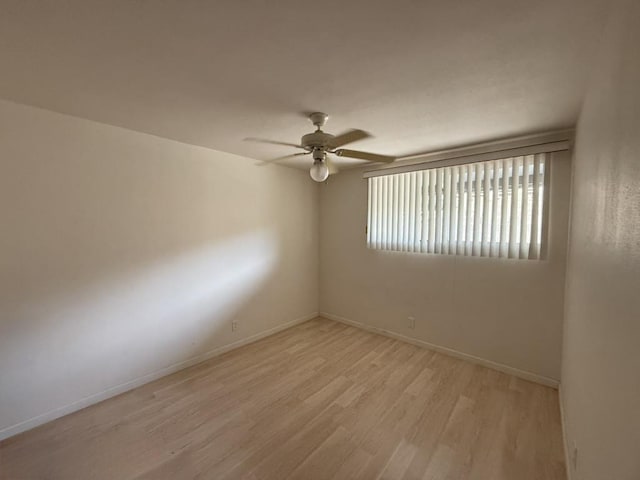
(316, 140)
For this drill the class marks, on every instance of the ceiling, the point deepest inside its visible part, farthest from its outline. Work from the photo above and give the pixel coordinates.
(418, 75)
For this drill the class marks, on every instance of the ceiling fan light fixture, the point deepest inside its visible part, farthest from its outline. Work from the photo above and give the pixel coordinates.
(319, 171)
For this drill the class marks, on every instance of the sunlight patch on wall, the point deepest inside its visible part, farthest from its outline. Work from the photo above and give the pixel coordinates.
(128, 326)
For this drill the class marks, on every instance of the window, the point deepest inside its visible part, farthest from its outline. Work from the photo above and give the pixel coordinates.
(489, 209)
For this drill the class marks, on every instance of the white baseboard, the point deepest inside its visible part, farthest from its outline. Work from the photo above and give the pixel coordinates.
(533, 377)
(565, 438)
(137, 382)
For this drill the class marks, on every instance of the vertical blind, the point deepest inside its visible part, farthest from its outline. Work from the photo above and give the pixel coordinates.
(490, 209)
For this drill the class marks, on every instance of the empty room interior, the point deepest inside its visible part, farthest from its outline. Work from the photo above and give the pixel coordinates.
(320, 240)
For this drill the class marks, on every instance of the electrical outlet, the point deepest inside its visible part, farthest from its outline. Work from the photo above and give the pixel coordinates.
(234, 326)
(412, 323)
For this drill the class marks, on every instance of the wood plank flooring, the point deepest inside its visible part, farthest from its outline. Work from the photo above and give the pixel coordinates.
(321, 400)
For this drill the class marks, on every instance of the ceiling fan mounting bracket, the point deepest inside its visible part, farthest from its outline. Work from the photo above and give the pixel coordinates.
(318, 119)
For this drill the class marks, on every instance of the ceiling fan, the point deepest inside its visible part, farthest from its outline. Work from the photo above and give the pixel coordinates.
(318, 144)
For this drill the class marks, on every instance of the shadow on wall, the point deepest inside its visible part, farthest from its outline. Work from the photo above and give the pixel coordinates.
(130, 324)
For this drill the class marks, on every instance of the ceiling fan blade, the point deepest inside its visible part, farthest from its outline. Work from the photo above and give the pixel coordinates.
(349, 136)
(333, 168)
(279, 159)
(371, 157)
(272, 142)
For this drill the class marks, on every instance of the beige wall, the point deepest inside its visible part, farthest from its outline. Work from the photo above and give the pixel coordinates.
(123, 255)
(601, 354)
(504, 311)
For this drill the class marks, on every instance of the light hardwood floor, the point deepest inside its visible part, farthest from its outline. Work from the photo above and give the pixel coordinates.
(320, 400)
